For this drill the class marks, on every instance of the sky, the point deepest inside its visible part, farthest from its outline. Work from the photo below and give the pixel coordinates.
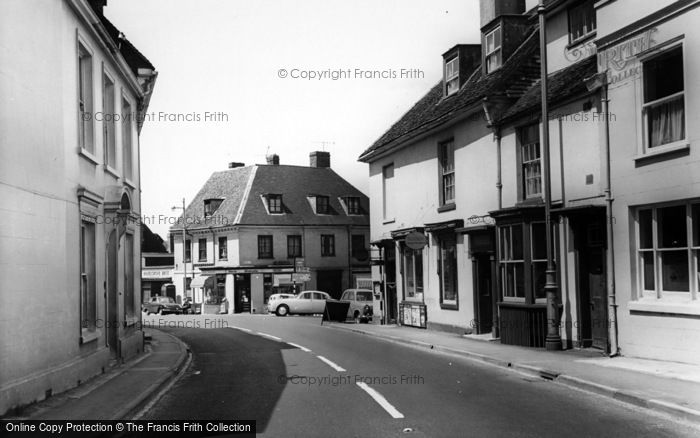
(238, 79)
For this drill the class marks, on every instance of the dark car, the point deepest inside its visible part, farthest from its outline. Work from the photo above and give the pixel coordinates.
(161, 306)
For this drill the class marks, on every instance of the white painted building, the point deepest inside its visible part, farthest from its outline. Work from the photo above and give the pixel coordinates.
(70, 196)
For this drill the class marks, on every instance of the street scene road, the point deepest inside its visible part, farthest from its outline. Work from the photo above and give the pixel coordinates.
(296, 377)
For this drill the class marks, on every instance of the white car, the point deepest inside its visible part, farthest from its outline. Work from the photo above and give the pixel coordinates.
(307, 302)
(271, 302)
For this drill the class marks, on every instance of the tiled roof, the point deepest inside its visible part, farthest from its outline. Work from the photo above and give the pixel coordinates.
(245, 187)
(561, 85)
(131, 54)
(515, 76)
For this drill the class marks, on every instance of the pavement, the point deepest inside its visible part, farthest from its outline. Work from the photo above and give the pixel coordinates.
(121, 392)
(669, 387)
(126, 391)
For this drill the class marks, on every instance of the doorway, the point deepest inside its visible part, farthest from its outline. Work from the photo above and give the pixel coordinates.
(482, 293)
(241, 293)
(330, 282)
(112, 325)
(593, 303)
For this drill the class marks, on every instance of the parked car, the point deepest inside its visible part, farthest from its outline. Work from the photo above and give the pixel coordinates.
(161, 306)
(307, 302)
(361, 304)
(272, 301)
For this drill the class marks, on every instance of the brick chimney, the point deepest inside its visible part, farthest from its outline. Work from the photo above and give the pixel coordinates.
(273, 159)
(320, 159)
(235, 164)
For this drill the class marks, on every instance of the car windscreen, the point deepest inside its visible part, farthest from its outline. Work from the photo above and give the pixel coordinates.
(364, 296)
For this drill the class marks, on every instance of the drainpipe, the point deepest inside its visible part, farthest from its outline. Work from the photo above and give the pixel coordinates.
(610, 256)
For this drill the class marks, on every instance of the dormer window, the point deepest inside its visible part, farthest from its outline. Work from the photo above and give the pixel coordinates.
(452, 76)
(582, 21)
(493, 50)
(274, 204)
(211, 205)
(353, 205)
(322, 205)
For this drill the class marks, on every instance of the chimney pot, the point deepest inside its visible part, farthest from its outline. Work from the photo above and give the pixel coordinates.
(273, 160)
(320, 159)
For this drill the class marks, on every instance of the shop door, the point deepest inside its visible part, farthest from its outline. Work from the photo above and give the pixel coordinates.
(482, 287)
(330, 282)
(598, 300)
(241, 293)
(593, 313)
(113, 324)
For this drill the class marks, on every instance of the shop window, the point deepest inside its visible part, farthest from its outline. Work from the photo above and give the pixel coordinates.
(293, 246)
(327, 245)
(582, 21)
(412, 273)
(512, 262)
(447, 269)
(223, 248)
(493, 50)
(664, 99)
(265, 247)
(447, 172)
(202, 246)
(668, 244)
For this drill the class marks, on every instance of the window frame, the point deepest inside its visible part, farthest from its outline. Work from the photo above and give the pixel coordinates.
(583, 6)
(88, 277)
(294, 250)
(85, 98)
(451, 64)
(202, 255)
(265, 240)
(525, 165)
(495, 53)
(128, 167)
(223, 249)
(647, 149)
(323, 204)
(444, 239)
(327, 245)
(188, 251)
(109, 109)
(413, 282)
(277, 204)
(356, 252)
(446, 163)
(691, 249)
(353, 205)
(129, 276)
(211, 205)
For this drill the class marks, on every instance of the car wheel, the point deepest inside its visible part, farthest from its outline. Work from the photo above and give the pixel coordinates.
(282, 310)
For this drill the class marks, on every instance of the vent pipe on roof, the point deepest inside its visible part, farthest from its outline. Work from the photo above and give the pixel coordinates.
(273, 160)
(234, 164)
(320, 159)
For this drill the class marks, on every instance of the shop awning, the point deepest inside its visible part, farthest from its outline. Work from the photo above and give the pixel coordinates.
(199, 281)
(444, 226)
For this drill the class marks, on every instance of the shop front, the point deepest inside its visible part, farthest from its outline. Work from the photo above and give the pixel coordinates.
(412, 308)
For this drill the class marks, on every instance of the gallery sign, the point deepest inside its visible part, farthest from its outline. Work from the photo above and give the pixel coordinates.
(620, 61)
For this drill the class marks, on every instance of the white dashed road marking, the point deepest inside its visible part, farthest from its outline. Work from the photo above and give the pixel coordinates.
(380, 400)
(299, 347)
(332, 365)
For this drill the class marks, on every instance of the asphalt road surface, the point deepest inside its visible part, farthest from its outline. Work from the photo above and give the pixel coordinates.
(298, 378)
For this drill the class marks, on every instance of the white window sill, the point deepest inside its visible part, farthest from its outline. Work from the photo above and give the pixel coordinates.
(659, 151)
(112, 171)
(88, 156)
(388, 221)
(688, 307)
(90, 336)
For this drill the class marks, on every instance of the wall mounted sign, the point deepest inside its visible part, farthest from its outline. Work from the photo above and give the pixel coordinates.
(416, 240)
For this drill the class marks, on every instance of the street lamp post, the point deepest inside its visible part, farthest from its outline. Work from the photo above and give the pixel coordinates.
(553, 339)
(184, 250)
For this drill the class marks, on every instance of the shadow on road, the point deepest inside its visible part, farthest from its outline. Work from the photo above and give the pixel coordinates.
(233, 376)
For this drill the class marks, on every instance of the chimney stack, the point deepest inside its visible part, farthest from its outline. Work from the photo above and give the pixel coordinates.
(320, 159)
(98, 6)
(235, 164)
(492, 9)
(273, 160)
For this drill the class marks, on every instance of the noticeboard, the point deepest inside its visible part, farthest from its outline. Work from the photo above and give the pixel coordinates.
(413, 314)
